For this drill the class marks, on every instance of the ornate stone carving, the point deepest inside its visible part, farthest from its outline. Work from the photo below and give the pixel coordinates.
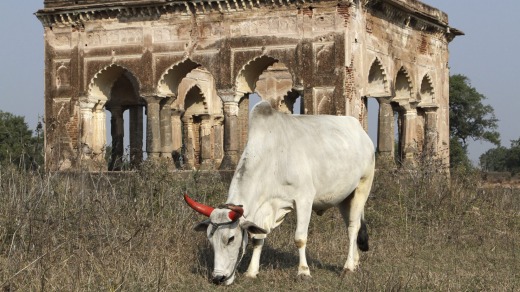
(324, 56)
(117, 37)
(322, 99)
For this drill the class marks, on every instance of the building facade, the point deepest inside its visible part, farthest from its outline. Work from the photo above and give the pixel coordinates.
(171, 80)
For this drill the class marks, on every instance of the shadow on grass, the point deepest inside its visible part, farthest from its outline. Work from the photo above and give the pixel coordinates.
(271, 258)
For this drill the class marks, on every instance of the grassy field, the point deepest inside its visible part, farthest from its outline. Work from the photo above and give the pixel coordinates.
(133, 232)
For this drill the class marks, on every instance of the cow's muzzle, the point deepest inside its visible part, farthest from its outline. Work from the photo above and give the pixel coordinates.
(219, 280)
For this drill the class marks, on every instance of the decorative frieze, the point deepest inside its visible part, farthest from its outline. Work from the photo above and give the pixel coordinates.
(115, 37)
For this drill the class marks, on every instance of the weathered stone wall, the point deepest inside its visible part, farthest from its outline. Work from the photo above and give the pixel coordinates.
(190, 63)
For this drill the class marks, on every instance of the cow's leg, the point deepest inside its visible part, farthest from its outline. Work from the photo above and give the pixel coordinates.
(303, 217)
(352, 211)
(254, 264)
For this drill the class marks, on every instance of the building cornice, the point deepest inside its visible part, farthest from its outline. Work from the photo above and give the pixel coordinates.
(150, 10)
(414, 13)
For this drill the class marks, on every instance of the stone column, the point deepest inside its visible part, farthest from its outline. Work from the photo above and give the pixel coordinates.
(385, 132)
(99, 132)
(218, 140)
(86, 112)
(136, 135)
(189, 153)
(117, 132)
(409, 139)
(430, 143)
(153, 127)
(205, 141)
(166, 131)
(230, 160)
(176, 127)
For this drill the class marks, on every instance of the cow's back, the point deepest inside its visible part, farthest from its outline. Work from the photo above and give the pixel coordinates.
(286, 155)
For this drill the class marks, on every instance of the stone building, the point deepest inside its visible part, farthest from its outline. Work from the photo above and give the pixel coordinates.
(175, 77)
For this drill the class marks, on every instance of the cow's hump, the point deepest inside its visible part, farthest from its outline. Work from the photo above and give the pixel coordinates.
(262, 108)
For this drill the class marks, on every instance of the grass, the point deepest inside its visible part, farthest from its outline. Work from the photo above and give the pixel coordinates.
(133, 232)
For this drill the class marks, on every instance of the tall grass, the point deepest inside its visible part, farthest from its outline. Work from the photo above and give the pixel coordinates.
(132, 232)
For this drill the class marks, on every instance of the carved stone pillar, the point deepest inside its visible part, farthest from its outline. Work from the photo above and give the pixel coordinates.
(99, 132)
(117, 132)
(430, 143)
(230, 160)
(205, 141)
(176, 127)
(410, 139)
(136, 135)
(189, 153)
(86, 109)
(385, 132)
(166, 131)
(153, 127)
(231, 136)
(218, 139)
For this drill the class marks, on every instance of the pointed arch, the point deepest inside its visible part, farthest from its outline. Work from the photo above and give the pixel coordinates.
(203, 79)
(250, 73)
(274, 84)
(377, 80)
(403, 85)
(113, 89)
(168, 84)
(427, 92)
(101, 84)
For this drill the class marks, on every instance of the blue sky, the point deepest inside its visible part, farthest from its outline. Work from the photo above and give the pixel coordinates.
(486, 54)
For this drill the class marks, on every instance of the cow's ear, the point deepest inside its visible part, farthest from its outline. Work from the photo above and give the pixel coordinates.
(202, 226)
(252, 228)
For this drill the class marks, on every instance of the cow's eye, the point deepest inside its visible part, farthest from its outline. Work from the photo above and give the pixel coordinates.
(231, 239)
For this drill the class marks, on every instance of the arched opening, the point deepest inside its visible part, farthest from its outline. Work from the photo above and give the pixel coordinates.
(249, 75)
(195, 115)
(426, 94)
(377, 84)
(403, 86)
(292, 103)
(191, 124)
(114, 90)
(379, 116)
(264, 78)
(169, 83)
(126, 116)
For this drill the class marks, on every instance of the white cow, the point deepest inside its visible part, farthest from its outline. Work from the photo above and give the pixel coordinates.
(300, 163)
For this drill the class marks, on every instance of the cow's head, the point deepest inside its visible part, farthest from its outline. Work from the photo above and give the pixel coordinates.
(227, 232)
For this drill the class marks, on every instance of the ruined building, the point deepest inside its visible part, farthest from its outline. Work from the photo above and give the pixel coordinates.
(172, 79)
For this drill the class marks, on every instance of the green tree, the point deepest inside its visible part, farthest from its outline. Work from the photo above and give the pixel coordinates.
(469, 119)
(494, 159)
(502, 158)
(17, 144)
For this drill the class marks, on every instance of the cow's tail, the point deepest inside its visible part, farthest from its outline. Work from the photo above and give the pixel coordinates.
(362, 237)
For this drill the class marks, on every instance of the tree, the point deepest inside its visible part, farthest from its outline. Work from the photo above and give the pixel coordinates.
(502, 158)
(469, 118)
(17, 144)
(494, 159)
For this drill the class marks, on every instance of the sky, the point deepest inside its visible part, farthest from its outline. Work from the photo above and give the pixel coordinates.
(485, 54)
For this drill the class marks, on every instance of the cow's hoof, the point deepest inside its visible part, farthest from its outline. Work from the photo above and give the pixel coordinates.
(346, 272)
(250, 275)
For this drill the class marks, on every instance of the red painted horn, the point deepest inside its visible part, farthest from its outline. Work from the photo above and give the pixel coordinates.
(201, 208)
(235, 213)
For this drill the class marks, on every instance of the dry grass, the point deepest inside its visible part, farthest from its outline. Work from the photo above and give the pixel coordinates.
(132, 232)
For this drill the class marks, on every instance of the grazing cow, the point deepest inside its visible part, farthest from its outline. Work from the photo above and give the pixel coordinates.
(300, 163)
